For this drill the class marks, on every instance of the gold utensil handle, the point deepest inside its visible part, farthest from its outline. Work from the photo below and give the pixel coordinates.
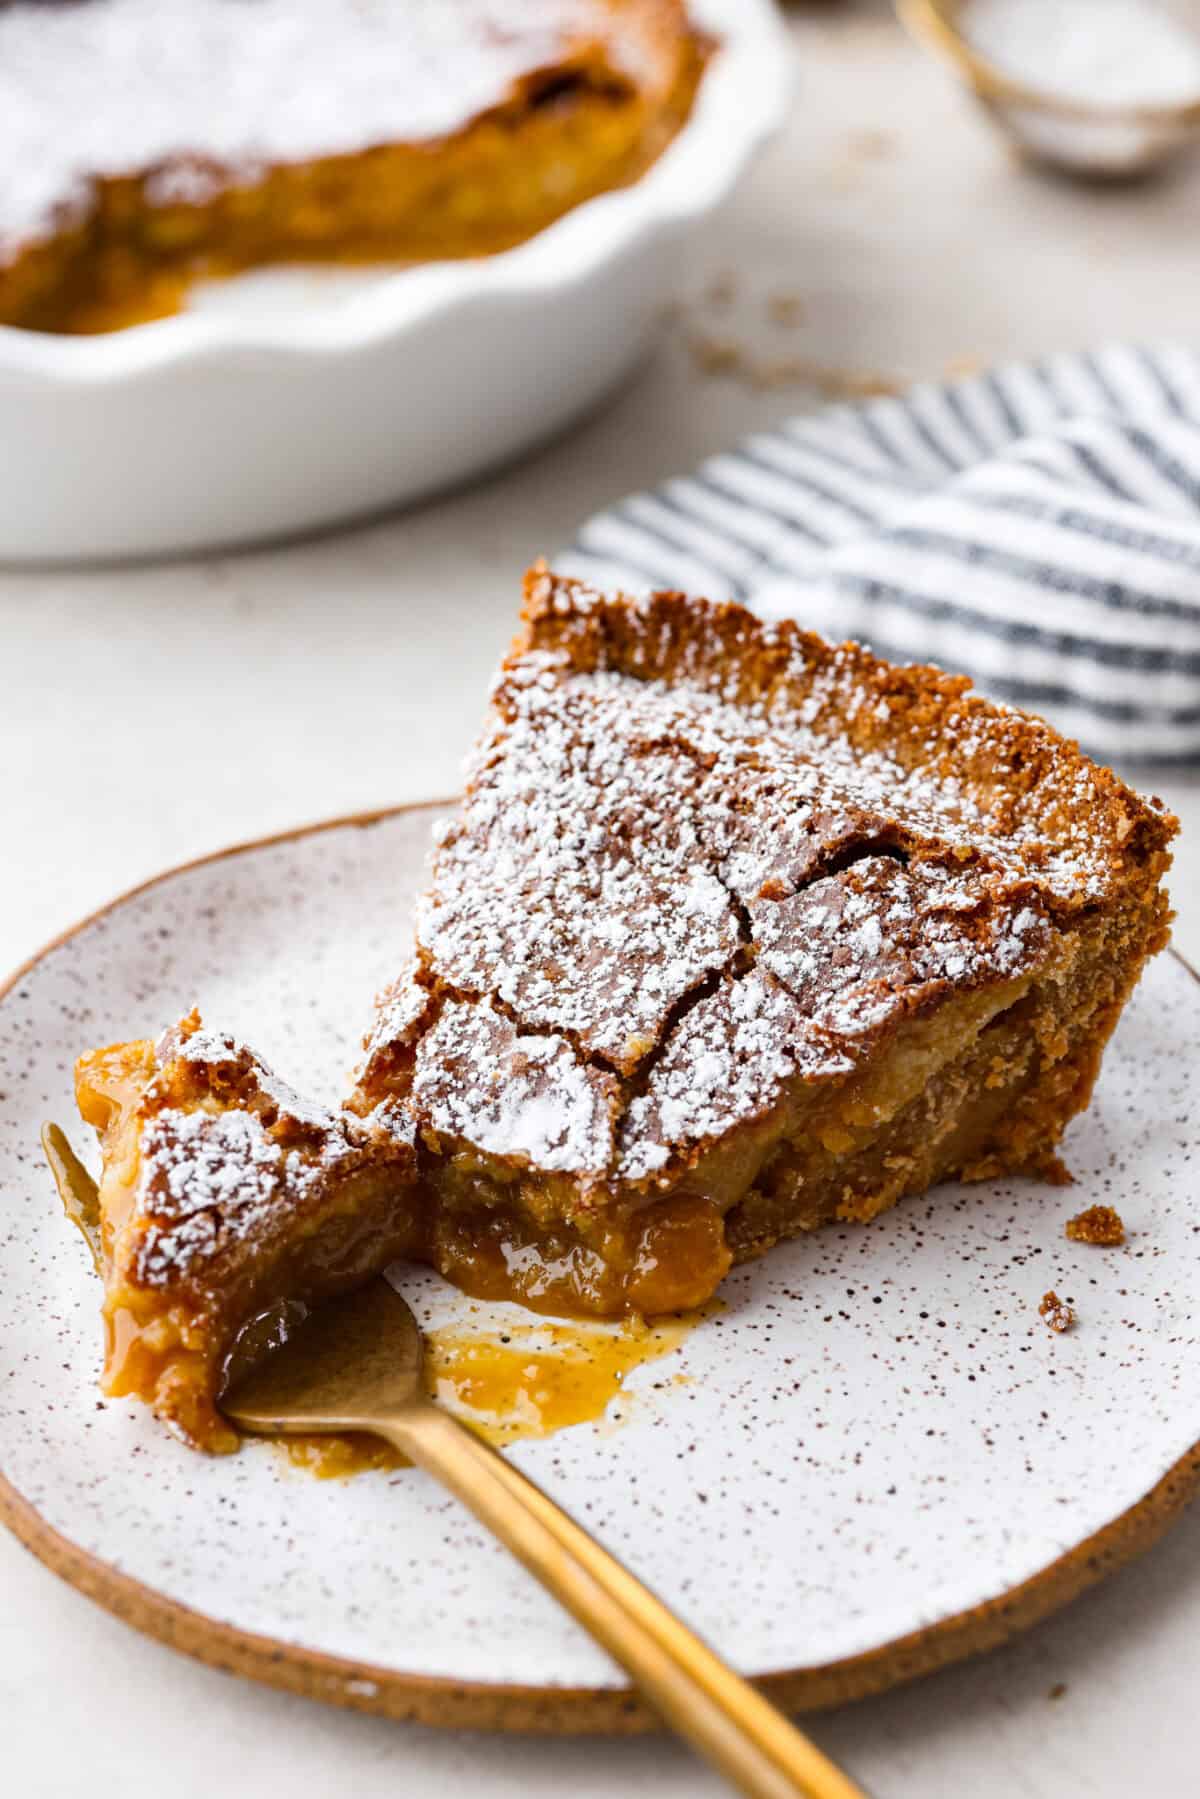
(751, 1742)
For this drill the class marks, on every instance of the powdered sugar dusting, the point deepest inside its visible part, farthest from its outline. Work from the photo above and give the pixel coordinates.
(866, 945)
(206, 1175)
(575, 929)
(514, 1094)
(214, 1050)
(230, 1155)
(201, 94)
(726, 1063)
(400, 1010)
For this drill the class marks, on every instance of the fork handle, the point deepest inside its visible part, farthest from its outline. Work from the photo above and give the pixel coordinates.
(741, 1733)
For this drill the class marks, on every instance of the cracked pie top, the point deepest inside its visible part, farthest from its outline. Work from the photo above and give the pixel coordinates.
(701, 858)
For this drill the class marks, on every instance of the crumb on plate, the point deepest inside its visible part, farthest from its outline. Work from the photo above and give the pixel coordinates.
(1058, 1314)
(1098, 1224)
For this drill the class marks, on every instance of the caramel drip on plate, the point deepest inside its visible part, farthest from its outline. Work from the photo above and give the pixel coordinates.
(528, 1380)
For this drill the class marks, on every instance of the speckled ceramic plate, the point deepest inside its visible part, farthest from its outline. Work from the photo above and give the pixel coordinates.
(881, 1459)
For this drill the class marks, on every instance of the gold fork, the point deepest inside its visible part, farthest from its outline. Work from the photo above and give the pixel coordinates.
(354, 1364)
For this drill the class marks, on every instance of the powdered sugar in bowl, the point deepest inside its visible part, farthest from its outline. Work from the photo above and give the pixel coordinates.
(1102, 88)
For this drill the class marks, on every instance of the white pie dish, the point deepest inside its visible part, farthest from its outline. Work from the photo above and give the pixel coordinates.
(283, 403)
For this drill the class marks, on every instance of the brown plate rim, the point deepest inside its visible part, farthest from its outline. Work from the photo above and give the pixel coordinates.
(483, 1705)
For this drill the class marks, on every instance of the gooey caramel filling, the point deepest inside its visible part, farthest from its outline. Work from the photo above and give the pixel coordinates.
(177, 1351)
(527, 1381)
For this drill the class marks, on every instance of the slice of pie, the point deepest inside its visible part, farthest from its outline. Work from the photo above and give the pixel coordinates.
(224, 1199)
(144, 143)
(736, 933)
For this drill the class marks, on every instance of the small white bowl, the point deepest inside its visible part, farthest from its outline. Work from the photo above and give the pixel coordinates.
(285, 403)
(1097, 139)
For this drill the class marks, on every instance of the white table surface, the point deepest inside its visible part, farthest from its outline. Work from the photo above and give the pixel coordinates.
(152, 714)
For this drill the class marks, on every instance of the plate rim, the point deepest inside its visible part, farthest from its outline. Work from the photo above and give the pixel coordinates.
(565, 1710)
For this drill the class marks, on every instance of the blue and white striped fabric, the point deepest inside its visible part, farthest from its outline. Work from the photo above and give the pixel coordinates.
(1036, 527)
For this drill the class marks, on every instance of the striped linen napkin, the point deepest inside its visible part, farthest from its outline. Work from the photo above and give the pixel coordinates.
(1036, 527)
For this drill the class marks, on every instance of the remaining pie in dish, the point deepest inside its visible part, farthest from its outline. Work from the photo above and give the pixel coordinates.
(144, 143)
(224, 1197)
(736, 933)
